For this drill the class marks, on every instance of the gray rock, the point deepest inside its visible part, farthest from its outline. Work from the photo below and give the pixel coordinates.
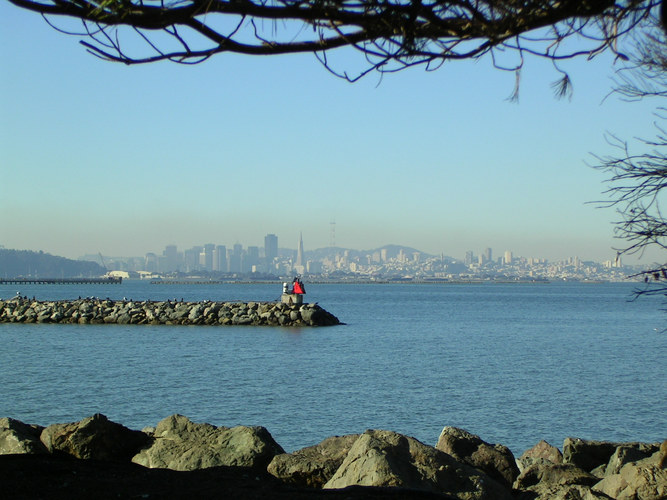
(180, 444)
(626, 453)
(642, 480)
(19, 438)
(587, 454)
(590, 455)
(196, 312)
(495, 460)
(562, 492)
(386, 458)
(549, 481)
(548, 474)
(540, 453)
(312, 466)
(94, 437)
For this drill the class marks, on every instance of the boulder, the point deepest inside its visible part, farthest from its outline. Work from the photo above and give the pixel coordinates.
(386, 458)
(312, 466)
(547, 481)
(94, 437)
(626, 453)
(599, 455)
(494, 459)
(642, 480)
(19, 438)
(180, 444)
(553, 474)
(587, 454)
(562, 492)
(542, 452)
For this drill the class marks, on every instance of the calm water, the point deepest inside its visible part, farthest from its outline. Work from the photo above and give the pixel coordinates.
(513, 363)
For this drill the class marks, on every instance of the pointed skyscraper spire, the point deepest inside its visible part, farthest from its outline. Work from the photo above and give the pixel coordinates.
(299, 252)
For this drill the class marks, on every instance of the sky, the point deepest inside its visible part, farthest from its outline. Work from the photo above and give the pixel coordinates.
(124, 160)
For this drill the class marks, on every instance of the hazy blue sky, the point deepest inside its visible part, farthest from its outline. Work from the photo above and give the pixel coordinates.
(102, 157)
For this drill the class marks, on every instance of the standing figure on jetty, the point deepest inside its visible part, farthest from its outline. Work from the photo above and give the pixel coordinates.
(297, 286)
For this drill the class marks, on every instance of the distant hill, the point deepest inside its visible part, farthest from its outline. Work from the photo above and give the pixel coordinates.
(392, 252)
(26, 263)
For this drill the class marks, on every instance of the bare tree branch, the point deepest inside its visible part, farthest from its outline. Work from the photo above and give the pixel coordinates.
(392, 34)
(637, 182)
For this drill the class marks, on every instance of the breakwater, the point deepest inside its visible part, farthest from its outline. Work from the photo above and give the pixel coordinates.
(62, 281)
(100, 311)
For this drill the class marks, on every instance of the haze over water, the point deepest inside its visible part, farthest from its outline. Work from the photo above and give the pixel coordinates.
(512, 363)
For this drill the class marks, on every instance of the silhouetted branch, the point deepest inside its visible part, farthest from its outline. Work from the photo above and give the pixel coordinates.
(392, 34)
(637, 181)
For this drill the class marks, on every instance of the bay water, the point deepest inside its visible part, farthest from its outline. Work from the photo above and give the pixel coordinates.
(512, 363)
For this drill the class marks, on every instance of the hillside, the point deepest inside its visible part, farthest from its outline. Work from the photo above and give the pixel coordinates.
(26, 263)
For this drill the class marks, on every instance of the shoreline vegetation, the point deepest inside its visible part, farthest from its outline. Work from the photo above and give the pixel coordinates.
(98, 458)
(22, 309)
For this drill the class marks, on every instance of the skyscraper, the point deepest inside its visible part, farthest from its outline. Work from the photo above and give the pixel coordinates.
(300, 266)
(508, 257)
(488, 255)
(250, 259)
(220, 260)
(207, 257)
(234, 258)
(171, 258)
(270, 247)
(299, 252)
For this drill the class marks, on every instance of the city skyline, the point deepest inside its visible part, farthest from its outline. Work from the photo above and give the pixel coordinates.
(439, 161)
(388, 262)
(294, 244)
(207, 256)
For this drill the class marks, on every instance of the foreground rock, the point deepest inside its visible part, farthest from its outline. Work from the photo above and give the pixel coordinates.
(546, 481)
(94, 458)
(494, 459)
(19, 438)
(313, 466)
(644, 479)
(180, 444)
(386, 458)
(541, 453)
(595, 470)
(98, 311)
(59, 478)
(93, 438)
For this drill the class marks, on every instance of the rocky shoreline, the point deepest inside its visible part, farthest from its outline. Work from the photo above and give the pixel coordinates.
(100, 311)
(97, 458)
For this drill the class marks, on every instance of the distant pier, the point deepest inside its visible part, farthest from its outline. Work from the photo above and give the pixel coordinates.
(61, 281)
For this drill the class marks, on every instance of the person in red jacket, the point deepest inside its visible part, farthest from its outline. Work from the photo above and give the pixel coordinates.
(297, 287)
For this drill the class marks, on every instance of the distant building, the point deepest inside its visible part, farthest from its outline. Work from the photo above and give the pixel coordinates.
(171, 258)
(299, 265)
(220, 259)
(206, 257)
(234, 258)
(508, 257)
(488, 255)
(150, 264)
(192, 259)
(250, 260)
(270, 247)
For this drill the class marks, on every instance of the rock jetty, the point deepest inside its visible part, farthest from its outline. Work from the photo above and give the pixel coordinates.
(178, 458)
(99, 311)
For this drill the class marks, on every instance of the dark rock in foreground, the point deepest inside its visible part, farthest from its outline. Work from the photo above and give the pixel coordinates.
(60, 478)
(182, 459)
(99, 311)
(494, 459)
